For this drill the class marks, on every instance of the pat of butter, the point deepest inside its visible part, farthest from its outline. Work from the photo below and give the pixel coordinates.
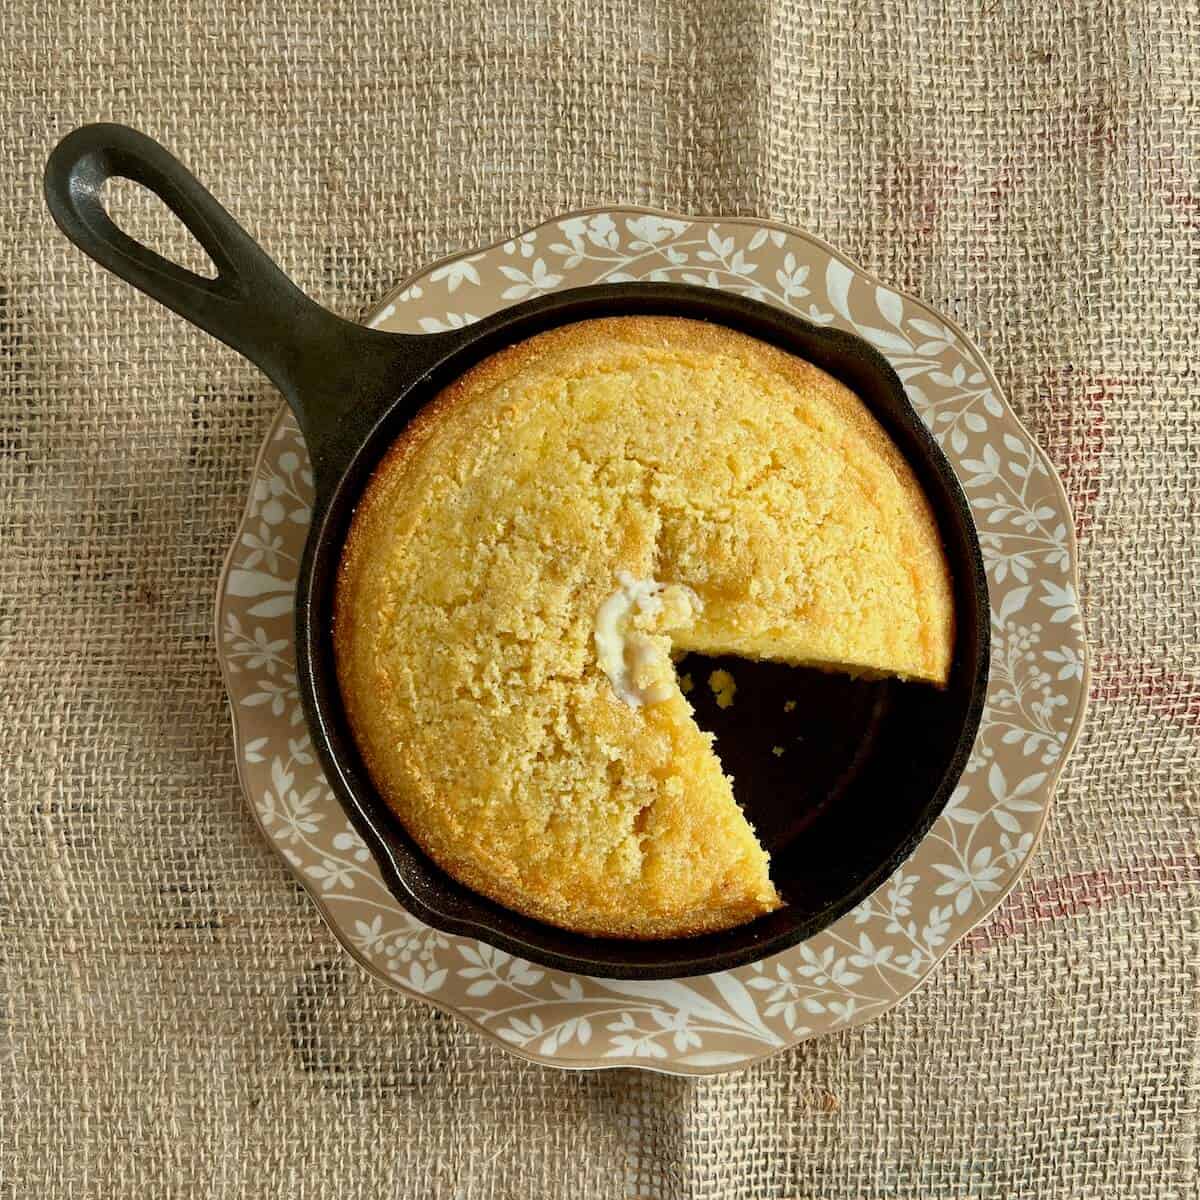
(630, 630)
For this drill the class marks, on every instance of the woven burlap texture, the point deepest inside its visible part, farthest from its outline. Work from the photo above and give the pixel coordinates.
(175, 1020)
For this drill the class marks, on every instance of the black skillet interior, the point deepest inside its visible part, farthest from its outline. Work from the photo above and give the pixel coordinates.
(841, 777)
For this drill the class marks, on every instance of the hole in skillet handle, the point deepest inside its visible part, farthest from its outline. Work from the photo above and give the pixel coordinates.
(875, 762)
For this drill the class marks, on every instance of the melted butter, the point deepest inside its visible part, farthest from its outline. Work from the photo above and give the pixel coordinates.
(630, 635)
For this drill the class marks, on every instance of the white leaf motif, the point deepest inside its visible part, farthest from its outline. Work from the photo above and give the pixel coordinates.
(838, 278)
(1013, 602)
(890, 305)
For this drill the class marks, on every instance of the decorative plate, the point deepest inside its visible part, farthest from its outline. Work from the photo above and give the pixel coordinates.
(875, 955)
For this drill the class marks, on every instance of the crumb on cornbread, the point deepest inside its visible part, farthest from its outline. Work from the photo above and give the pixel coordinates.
(723, 687)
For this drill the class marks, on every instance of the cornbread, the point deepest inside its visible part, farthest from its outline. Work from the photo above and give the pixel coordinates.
(719, 496)
(723, 687)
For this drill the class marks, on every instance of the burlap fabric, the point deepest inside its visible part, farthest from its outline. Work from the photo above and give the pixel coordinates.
(176, 1021)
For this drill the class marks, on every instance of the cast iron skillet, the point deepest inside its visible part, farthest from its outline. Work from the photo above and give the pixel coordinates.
(867, 767)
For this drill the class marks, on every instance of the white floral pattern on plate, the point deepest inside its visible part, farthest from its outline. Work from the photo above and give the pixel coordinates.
(878, 953)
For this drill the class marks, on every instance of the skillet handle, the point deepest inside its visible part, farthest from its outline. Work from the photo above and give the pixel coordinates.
(237, 306)
(325, 366)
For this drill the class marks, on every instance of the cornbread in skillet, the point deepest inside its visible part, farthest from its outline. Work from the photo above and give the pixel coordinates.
(504, 656)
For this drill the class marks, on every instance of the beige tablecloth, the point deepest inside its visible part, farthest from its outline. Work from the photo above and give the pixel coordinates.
(174, 1018)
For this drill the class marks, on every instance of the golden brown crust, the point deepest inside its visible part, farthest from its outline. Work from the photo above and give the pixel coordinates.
(708, 918)
(428, 471)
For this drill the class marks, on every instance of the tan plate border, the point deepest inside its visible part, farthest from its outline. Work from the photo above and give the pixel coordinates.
(1053, 775)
